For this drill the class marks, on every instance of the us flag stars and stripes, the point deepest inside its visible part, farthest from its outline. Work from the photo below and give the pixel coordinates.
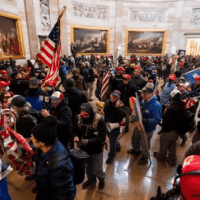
(47, 51)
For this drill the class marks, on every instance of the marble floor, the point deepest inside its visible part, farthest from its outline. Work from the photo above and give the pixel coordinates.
(125, 179)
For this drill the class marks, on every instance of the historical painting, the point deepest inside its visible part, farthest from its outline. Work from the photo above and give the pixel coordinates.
(90, 40)
(11, 37)
(144, 41)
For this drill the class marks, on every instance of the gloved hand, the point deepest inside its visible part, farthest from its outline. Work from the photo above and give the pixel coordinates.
(179, 169)
(84, 142)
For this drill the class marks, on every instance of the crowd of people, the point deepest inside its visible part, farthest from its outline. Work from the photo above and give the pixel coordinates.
(57, 117)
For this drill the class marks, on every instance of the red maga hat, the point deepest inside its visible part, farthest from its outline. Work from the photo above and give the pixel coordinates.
(120, 69)
(3, 72)
(172, 77)
(4, 84)
(126, 76)
(137, 68)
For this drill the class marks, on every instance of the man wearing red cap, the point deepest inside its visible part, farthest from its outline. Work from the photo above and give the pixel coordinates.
(5, 94)
(137, 80)
(50, 87)
(169, 86)
(63, 113)
(118, 78)
(127, 90)
(4, 76)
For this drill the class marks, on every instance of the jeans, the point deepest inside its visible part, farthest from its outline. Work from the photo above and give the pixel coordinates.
(138, 141)
(70, 69)
(94, 166)
(114, 144)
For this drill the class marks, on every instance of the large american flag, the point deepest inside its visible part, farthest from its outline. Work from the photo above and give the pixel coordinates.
(105, 85)
(54, 69)
(51, 43)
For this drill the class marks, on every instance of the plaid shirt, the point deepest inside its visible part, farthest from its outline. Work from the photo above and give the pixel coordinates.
(54, 174)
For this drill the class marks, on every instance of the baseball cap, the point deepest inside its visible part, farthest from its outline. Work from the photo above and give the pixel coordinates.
(33, 81)
(120, 69)
(148, 88)
(4, 84)
(116, 93)
(174, 93)
(3, 72)
(172, 77)
(126, 76)
(51, 83)
(197, 78)
(57, 95)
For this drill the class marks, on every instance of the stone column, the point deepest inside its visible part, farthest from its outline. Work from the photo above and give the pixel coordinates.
(31, 25)
(118, 27)
(177, 23)
(64, 43)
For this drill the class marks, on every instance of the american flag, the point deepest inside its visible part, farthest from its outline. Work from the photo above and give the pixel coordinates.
(54, 69)
(51, 43)
(105, 85)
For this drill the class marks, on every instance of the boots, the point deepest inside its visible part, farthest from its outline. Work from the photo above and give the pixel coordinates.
(88, 183)
(101, 183)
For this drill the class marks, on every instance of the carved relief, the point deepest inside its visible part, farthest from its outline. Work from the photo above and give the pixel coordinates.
(45, 15)
(195, 19)
(98, 12)
(147, 15)
(9, 1)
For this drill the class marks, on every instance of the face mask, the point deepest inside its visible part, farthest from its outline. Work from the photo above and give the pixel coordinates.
(49, 88)
(7, 88)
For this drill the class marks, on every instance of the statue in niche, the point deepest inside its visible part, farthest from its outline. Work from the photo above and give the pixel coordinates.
(45, 15)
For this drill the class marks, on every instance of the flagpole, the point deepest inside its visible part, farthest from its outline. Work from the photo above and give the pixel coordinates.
(61, 14)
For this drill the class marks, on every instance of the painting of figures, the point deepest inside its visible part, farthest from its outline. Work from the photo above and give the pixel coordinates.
(90, 40)
(146, 42)
(11, 40)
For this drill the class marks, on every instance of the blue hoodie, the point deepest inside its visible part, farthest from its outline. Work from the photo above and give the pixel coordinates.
(151, 110)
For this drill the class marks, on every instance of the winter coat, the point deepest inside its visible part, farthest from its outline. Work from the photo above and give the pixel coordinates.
(116, 81)
(112, 113)
(54, 174)
(138, 82)
(34, 97)
(80, 83)
(171, 119)
(96, 138)
(64, 124)
(164, 97)
(24, 124)
(19, 86)
(75, 99)
(127, 91)
(152, 111)
(88, 74)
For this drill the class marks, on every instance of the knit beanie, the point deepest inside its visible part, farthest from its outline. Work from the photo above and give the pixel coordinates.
(46, 130)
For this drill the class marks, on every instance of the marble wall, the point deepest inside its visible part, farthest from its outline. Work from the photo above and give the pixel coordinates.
(181, 18)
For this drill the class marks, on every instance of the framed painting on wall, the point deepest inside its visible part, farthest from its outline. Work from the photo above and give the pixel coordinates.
(90, 40)
(11, 37)
(145, 41)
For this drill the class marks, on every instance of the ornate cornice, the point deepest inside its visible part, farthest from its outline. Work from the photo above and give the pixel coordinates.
(90, 11)
(146, 15)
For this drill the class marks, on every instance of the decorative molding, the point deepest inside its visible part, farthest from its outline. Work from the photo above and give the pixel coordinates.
(90, 11)
(10, 1)
(147, 15)
(195, 18)
(45, 15)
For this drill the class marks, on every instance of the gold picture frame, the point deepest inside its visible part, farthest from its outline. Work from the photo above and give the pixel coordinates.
(145, 41)
(90, 40)
(11, 37)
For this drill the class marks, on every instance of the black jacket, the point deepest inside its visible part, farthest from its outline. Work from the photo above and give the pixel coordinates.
(172, 117)
(116, 81)
(88, 74)
(24, 124)
(112, 113)
(64, 124)
(96, 138)
(127, 91)
(138, 82)
(75, 98)
(19, 86)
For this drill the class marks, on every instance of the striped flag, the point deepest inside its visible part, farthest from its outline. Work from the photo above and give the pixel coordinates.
(53, 72)
(105, 85)
(190, 102)
(47, 51)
